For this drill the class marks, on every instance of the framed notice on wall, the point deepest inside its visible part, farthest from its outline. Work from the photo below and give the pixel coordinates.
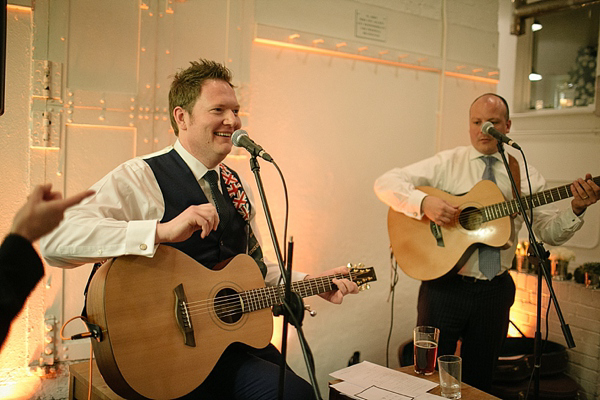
(370, 26)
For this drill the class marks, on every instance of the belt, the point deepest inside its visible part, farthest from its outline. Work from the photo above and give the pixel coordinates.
(471, 279)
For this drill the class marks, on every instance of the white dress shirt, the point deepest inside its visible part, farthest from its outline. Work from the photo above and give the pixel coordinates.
(121, 217)
(456, 171)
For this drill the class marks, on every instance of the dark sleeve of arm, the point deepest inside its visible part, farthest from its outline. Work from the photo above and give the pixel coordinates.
(20, 270)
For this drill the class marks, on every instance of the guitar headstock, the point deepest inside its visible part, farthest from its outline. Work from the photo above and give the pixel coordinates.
(362, 275)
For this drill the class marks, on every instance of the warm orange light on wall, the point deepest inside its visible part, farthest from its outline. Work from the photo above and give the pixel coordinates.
(19, 387)
(326, 52)
(335, 47)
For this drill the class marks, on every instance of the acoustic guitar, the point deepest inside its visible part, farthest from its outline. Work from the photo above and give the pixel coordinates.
(426, 251)
(166, 320)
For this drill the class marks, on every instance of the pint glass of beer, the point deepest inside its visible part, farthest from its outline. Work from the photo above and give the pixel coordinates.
(426, 344)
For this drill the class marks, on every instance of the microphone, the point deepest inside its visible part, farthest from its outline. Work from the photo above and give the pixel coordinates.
(240, 138)
(488, 128)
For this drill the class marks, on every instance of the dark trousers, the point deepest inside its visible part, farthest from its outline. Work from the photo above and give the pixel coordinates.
(250, 374)
(474, 311)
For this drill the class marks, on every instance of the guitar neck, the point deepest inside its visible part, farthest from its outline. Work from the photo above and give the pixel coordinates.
(257, 299)
(506, 208)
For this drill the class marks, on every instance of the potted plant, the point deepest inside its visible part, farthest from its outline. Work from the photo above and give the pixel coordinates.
(560, 257)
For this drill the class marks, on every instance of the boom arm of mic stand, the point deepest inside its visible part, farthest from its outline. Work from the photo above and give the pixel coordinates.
(541, 253)
(542, 256)
(256, 170)
(287, 309)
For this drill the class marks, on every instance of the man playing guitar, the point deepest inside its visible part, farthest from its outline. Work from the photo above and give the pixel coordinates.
(166, 197)
(472, 306)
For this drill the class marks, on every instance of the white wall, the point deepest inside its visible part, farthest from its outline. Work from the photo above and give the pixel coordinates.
(333, 125)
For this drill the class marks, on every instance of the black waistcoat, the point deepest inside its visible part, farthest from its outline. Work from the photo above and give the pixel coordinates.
(181, 190)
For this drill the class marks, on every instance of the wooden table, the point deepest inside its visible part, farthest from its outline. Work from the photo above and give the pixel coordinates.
(78, 383)
(467, 392)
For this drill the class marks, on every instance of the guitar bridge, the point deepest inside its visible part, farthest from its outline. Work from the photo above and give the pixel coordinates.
(182, 316)
(436, 230)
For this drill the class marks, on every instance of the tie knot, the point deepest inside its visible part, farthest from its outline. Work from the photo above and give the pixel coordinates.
(489, 160)
(211, 177)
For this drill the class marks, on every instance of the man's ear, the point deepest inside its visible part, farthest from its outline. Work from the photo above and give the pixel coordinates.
(508, 124)
(180, 118)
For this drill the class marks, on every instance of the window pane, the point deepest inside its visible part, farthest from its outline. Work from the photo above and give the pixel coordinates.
(564, 54)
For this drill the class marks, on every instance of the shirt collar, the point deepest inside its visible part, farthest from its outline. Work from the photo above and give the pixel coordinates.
(198, 169)
(474, 154)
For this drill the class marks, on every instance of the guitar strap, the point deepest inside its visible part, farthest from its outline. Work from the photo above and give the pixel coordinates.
(513, 164)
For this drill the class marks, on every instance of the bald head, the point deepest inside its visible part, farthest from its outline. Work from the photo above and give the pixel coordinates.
(492, 100)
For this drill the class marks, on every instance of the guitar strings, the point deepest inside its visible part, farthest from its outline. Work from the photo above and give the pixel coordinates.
(280, 287)
(231, 304)
(561, 193)
(223, 299)
(528, 201)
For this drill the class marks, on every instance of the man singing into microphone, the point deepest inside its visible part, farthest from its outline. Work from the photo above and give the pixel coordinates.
(473, 305)
(180, 197)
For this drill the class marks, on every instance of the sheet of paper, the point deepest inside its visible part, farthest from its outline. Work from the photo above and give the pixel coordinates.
(375, 393)
(348, 389)
(428, 396)
(367, 374)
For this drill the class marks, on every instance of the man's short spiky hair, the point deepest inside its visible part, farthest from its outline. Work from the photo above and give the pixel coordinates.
(187, 83)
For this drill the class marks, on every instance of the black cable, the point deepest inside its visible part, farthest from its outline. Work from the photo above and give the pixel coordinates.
(394, 266)
(307, 353)
(286, 217)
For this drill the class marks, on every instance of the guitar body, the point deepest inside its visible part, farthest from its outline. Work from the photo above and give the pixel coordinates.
(425, 251)
(142, 353)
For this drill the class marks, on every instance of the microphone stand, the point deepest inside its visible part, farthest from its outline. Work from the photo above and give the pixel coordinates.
(292, 307)
(544, 266)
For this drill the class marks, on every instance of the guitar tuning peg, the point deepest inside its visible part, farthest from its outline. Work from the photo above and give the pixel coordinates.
(364, 287)
(312, 313)
(349, 265)
(360, 265)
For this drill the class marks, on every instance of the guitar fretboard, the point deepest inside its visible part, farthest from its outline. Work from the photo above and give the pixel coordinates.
(257, 299)
(506, 208)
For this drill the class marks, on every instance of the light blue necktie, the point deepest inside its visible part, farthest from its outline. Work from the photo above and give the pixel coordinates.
(489, 257)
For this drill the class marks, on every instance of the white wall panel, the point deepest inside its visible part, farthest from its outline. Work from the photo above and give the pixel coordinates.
(103, 45)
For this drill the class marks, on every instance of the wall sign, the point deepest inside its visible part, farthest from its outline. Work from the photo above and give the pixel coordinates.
(370, 26)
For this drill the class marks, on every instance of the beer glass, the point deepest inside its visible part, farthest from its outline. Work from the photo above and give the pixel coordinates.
(425, 340)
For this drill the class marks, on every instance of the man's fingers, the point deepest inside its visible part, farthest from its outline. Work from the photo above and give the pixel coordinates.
(75, 199)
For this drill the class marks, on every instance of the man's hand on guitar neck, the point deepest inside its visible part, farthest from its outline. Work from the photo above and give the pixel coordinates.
(585, 193)
(438, 210)
(202, 217)
(345, 286)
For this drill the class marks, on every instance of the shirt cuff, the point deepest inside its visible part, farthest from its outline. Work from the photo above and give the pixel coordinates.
(570, 220)
(140, 237)
(415, 200)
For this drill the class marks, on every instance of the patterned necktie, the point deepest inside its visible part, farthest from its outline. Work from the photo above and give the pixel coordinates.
(238, 196)
(212, 178)
(489, 257)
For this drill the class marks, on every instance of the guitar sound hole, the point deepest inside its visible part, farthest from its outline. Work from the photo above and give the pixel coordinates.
(470, 218)
(228, 306)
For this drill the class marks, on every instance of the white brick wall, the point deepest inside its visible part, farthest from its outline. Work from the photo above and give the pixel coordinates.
(581, 311)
